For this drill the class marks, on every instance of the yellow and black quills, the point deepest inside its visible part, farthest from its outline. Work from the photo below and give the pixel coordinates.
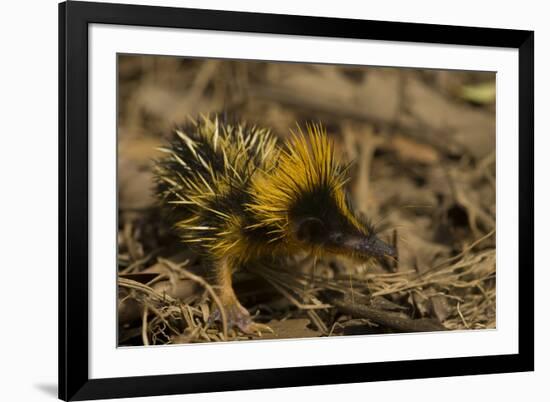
(235, 193)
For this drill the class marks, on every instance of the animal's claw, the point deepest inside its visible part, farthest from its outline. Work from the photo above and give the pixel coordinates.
(239, 317)
(256, 328)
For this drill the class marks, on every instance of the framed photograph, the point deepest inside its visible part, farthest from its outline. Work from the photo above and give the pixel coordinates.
(256, 201)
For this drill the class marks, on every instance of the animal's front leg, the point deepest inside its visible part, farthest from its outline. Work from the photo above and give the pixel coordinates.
(237, 316)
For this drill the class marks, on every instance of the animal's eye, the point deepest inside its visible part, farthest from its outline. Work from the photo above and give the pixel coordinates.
(338, 238)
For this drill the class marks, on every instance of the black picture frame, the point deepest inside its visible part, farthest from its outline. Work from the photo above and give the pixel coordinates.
(74, 18)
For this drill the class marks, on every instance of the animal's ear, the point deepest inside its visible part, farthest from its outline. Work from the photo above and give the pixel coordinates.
(311, 230)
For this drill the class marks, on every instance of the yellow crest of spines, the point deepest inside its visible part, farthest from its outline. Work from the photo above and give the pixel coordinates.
(307, 162)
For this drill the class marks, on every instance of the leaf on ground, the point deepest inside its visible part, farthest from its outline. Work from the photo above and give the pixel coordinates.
(482, 94)
(410, 150)
(440, 307)
(292, 328)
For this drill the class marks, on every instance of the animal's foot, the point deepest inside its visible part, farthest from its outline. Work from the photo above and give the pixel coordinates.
(238, 317)
(256, 328)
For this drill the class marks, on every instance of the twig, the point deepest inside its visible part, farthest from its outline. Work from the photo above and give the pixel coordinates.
(312, 314)
(131, 284)
(133, 248)
(203, 283)
(462, 253)
(287, 295)
(387, 319)
(161, 317)
(461, 316)
(138, 263)
(144, 326)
